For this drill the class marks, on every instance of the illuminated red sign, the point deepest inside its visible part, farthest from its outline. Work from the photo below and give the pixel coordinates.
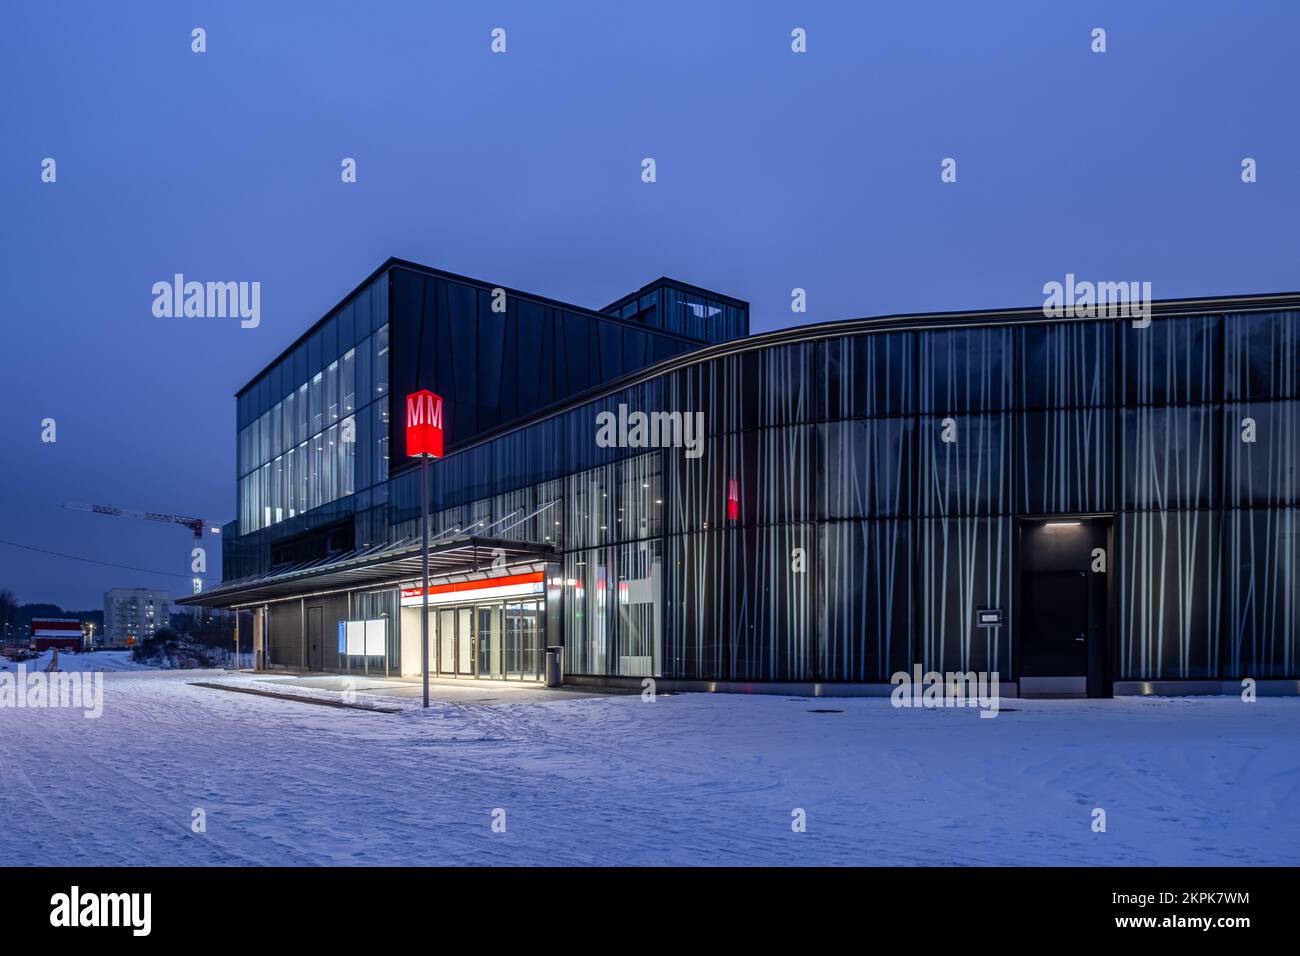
(502, 581)
(733, 499)
(423, 424)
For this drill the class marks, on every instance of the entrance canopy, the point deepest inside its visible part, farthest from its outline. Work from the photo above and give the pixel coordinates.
(458, 558)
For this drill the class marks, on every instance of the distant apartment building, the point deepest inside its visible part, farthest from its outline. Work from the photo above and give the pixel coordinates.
(134, 613)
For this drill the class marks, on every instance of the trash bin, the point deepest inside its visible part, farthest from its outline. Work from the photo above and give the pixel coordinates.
(554, 666)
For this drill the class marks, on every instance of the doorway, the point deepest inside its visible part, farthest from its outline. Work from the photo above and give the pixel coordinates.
(488, 627)
(465, 642)
(1064, 607)
(523, 637)
(315, 637)
(444, 637)
(499, 640)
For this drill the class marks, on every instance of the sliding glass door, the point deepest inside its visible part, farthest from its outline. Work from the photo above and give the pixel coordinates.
(524, 629)
(490, 642)
(500, 640)
(464, 642)
(447, 641)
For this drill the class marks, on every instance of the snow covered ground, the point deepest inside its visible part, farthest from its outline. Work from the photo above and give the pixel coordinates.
(690, 779)
(89, 661)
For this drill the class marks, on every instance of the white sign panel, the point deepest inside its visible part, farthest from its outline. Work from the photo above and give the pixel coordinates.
(356, 638)
(376, 638)
(366, 638)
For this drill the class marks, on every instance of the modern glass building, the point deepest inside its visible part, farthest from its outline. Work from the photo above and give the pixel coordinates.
(1081, 505)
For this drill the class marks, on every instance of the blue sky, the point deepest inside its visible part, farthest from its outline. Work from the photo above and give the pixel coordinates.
(775, 170)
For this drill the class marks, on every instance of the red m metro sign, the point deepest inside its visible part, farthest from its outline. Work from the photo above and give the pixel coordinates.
(423, 424)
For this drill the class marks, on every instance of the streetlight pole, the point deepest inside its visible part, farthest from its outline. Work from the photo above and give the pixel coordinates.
(424, 552)
(424, 441)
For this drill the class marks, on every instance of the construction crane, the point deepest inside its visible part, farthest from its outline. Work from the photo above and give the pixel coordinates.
(196, 525)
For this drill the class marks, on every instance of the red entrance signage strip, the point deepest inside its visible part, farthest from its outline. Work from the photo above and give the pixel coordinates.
(535, 577)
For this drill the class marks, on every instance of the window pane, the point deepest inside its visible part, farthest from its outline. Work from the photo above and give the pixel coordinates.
(347, 331)
(348, 456)
(277, 444)
(361, 307)
(332, 393)
(317, 420)
(365, 361)
(264, 437)
(379, 303)
(317, 469)
(348, 383)
(304, 477)
(381, 363)
(264, 493)
(329, 341)
(302, 414)
(287, 438)
(299, 365)
(290, 483)
(314, 358)
(381, 440)
(328, 491)
(276, 487)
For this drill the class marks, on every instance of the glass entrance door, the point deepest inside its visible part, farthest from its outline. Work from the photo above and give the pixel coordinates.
(447, 641)
(498, 640)
(465, 642)
(524, 629)
(490, 641)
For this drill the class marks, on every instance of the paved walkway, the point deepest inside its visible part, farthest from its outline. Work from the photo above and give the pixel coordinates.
(466, 691)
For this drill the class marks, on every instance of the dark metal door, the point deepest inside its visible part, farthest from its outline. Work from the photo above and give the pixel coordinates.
(1064, 600)
(1056, 622)
(315, 659)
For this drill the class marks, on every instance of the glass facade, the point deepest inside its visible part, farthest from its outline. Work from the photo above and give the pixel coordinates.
(315, 431)
(499, 358)
(857, 492)
(313, 428)
(862, 541)
(684, 310)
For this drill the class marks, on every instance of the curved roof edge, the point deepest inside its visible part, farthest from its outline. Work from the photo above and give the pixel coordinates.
(903, 322)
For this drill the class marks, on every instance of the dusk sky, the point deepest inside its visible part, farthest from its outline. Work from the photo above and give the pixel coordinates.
(775, 170)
